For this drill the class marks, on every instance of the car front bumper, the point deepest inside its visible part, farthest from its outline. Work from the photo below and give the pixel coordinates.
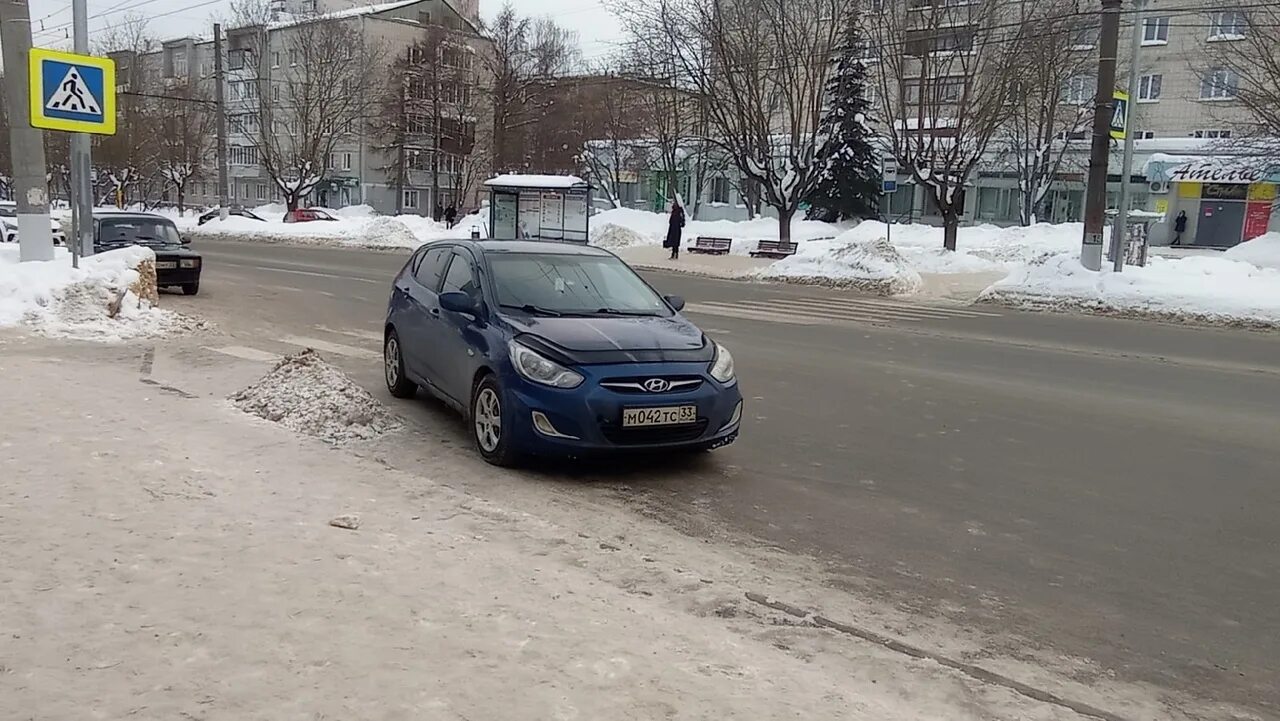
(587, 420)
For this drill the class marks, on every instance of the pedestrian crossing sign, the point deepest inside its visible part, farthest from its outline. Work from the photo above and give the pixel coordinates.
(75, 93)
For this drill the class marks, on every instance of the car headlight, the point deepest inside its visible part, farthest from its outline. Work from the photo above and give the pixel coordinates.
(722, 367)
(533, 366)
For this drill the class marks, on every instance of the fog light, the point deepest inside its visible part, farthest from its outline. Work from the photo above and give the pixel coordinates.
(543, 425)
(733, 420)
(188, 263)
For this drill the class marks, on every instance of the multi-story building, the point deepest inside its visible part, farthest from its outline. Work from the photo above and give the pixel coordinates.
(261, 62)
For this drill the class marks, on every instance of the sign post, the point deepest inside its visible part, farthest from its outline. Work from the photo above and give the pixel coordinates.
(888, 186)
(75, 93)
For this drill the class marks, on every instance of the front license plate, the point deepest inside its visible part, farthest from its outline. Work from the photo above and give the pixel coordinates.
(668, 416)
(166, 265)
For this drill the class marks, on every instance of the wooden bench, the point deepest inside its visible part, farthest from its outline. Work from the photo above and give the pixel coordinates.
(711, 246)
(774, 249)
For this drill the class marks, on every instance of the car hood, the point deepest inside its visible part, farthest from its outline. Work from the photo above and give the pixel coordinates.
(625, 339)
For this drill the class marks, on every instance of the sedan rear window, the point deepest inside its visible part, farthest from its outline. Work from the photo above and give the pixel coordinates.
(572, 285)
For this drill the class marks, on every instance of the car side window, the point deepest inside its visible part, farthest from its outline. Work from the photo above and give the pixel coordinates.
(431, 268)
(461, 277)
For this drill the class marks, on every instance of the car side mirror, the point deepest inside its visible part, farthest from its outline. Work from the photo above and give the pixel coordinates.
(186, 241)
(675, 301)
(458, 302)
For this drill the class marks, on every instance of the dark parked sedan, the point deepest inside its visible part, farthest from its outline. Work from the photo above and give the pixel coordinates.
(176, 264)
(238, 212)
(556, 349)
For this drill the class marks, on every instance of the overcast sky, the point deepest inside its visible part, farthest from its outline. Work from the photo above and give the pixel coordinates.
(597, 27)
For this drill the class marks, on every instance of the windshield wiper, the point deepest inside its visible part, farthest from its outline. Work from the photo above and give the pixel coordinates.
(633, 313)
(534, 309)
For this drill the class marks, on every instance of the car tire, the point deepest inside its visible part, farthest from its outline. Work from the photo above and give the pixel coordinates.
(191, 288)
(398, 384)
(490, 424)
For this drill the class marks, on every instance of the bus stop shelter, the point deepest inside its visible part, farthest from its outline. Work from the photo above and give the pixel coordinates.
(538, 207)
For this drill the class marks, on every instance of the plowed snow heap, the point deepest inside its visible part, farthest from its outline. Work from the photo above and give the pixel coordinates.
(306, 394)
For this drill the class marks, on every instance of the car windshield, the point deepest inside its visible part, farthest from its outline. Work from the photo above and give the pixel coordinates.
(138, 230)
(554, 284)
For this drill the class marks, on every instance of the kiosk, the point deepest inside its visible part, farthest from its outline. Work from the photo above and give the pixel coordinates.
(538, 207)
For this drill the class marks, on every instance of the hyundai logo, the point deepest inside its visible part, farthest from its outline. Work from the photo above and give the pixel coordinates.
(656, 385)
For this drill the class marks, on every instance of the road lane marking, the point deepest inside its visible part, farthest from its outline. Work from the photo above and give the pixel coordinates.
(733, 311)
(305, 272)
(891, 305)
(834, 311)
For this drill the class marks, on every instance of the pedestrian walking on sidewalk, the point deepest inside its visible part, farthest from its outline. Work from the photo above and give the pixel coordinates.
(1179, 227)
(450, 215)
(675, 228)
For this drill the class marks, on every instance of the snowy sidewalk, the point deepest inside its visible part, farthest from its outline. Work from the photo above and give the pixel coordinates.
(175, 560)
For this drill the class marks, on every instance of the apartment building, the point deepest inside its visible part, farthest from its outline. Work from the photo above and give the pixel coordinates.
(259, 63)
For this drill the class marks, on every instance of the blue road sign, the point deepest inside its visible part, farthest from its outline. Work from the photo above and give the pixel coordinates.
(76, 93)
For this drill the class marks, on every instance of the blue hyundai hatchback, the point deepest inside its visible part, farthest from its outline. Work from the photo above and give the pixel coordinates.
(555, 349)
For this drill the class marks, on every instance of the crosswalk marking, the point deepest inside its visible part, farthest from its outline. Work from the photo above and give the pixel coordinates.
(245, 352)
(361, 334)
(326, 346)
(834, 311)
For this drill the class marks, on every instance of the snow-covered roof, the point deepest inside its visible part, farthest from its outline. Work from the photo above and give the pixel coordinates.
(549, 182)
(287, 20)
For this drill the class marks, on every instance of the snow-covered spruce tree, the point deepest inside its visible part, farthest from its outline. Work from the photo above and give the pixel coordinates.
(850, 183)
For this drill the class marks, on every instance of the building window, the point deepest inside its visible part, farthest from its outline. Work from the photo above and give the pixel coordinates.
(1212, 134)
(720, 190)
(262, 191)
(1149, 88)
(275, 92)
(293, 58)
(346, 161)
(1079, 90)
(409, 199)
(1086, 38)
(1227, 25)
(275, 59)
(242, 155)
(1219, 84)
(1155, 31)
(179, 59)
(1144, 134)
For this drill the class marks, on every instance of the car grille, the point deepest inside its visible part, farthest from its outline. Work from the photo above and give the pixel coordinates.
(635, 384)
(646, 436)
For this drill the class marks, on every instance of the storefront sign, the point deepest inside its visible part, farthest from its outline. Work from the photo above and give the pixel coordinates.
(1214, 172)
(1257, 217)
(1224, 191)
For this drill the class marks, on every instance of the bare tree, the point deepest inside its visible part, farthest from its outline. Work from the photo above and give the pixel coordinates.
(762, 67)
(317, 82)
(527, 55)
(1050, 102)
(1248, 71)
(948, 77)
(126, 161)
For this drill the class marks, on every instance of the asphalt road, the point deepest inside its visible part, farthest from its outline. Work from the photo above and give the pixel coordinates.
(1089, 486)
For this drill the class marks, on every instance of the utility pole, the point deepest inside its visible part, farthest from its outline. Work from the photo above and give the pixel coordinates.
(1120, 231)
(81, 160)
(26, 144)
(1095, 206)
(218, 93)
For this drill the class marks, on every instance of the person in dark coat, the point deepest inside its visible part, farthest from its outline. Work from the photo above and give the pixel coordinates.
(675, 228)
(1179, 227)
(450, 215)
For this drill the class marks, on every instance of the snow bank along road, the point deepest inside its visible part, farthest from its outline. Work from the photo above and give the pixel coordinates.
(1079, 486)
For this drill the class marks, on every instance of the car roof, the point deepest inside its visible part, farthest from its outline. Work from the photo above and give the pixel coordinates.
(534, 247)
(129, 215)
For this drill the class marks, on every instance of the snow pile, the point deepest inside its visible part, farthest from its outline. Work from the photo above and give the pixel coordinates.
(1263, 251)
(652, 228)
(355, 226)
(979, 248)
(617, 237)
(109, 297)
(848, 261)
(1212, 289)
(308, 395)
